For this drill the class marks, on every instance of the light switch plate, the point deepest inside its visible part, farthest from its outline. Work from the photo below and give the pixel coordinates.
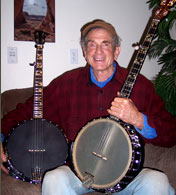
(74, 56)
(12, 55)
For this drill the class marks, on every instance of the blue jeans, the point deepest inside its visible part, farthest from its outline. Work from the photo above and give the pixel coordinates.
(62, 181)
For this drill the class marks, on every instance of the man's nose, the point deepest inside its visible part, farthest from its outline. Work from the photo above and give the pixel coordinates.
(99, 49)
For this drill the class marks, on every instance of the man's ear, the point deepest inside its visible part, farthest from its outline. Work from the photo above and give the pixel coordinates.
(116, 52)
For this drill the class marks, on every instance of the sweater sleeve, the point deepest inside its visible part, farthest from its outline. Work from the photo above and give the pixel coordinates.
(160, 119)
(17, 116)
(147, 131)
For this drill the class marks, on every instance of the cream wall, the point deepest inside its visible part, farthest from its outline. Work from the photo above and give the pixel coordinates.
(128, 17)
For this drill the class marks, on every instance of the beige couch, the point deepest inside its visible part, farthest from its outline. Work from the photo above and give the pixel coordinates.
(155, 157)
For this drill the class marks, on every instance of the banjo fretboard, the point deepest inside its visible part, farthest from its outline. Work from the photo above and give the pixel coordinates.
(139, 60)
(143, 47)
(38, 76)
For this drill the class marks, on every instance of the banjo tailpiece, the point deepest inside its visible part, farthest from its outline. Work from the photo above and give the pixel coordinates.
(88, 180)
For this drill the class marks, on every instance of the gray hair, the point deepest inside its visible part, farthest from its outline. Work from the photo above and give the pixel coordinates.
(116, 40)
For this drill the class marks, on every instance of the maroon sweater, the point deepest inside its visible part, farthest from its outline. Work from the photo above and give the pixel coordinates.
(71, 100)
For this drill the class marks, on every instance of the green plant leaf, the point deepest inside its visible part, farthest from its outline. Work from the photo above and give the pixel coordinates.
(168, 60)
(165, 86)
(163, 48)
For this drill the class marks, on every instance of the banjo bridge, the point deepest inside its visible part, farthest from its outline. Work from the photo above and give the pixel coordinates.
(31, 150)
(99, 155)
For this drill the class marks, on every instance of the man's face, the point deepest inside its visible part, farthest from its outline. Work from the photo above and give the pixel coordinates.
(100, 52)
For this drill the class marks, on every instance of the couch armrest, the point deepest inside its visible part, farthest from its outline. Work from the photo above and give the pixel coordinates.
(10, 99)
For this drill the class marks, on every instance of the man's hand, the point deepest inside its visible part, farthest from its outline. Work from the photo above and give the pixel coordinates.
(125, 110)
(3, 159)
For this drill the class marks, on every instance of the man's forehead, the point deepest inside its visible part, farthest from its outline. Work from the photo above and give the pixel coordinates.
(103, 41)
(99, 34)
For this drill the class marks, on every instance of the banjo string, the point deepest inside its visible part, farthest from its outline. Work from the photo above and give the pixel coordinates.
(100, 146)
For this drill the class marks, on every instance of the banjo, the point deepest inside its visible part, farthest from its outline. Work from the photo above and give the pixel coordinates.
(37, 145)
(107, 153)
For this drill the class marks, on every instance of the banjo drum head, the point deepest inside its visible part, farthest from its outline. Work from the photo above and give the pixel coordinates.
(103, 150)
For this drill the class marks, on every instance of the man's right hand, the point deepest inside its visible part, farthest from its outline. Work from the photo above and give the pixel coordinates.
(3, 159)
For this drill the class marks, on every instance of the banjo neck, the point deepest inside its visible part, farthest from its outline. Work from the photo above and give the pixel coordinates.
(38, 76)
(143, 48)
(139, 61)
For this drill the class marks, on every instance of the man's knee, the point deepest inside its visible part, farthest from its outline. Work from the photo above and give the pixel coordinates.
(155, 178)
(56, 176)
(156, 182)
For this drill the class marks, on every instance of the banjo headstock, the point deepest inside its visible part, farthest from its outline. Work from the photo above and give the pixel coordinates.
(39, 37)
(163, 10)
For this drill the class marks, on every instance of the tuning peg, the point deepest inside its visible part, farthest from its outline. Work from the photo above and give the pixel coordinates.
(32, 64)
(136, 46)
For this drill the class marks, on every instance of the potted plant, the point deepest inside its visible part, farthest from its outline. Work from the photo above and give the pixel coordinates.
(163, 48)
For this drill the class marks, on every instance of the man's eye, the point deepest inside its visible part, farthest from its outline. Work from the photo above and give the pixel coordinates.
(91, 45)
(106, 44)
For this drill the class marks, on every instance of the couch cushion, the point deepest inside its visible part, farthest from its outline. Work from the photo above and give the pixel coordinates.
(163, 159)
(12, 186)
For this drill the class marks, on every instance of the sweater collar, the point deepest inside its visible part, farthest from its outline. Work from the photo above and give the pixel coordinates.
(117, 75)
(101, 84)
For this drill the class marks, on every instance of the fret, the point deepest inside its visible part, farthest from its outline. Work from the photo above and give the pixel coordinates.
(39, 57)
(38, 84)
(130, 79)
(146, 44)
(132, 76)
(37, 98)
(38, 73)
(38, 81)
(128, 84)
(126, 91)
(37, 88)
(38, 104)
(39, 52)
(143, 50)
(37, 93)
(38, 76)
(135, 69)
(141, 56)
(39, 65)
(37, 108)
(38, 114)
(137, 65)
